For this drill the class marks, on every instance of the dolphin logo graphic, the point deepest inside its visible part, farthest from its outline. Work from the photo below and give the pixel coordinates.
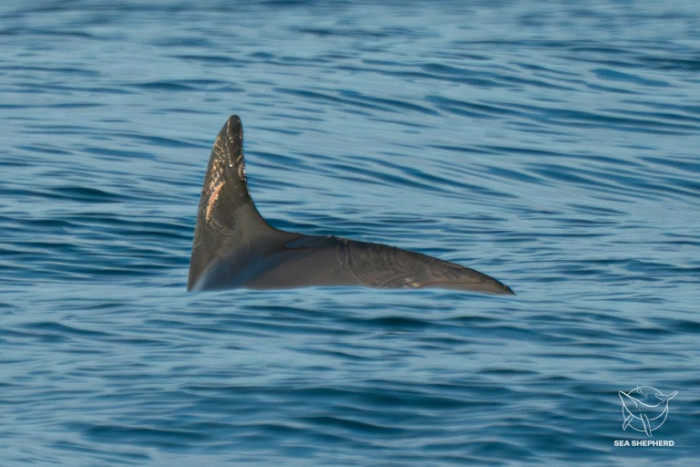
(644, 408)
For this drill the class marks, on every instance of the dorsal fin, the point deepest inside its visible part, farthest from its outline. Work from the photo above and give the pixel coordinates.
(226, 215)
(234, 246)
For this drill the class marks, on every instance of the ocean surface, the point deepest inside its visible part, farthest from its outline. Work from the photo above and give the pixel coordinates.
(552, 145)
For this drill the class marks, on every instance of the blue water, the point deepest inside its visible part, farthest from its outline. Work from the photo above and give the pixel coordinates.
(552, 145)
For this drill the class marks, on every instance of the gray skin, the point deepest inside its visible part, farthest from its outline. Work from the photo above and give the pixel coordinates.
(234, 246)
